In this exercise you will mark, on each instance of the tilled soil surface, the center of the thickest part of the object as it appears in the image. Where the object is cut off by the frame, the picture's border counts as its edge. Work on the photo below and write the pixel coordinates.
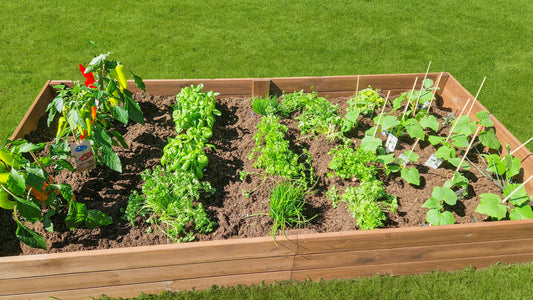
(236, 216)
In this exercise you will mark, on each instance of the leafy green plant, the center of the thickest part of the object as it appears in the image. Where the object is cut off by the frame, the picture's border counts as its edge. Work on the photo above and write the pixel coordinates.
(26, 186)
(171, 193)
(264, 105)
(448, 193)
(348, 162)
(87, 110)
(515, 206)
(367, 203)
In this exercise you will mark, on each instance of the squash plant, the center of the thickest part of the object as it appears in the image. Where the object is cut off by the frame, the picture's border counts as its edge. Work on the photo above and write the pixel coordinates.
(87, 110)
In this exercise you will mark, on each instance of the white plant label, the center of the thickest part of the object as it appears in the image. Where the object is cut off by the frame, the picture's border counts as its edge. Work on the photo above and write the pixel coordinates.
(460, 193)
(391, 142)
(83, 155)
(433, 162)
(403, 160)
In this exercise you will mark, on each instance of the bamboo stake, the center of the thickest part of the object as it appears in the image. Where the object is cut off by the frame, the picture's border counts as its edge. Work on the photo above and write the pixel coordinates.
(381, 114)
(357, 89)
(455, 124)
(467, 150)
(519, 187)
(409, 99)
(412, 149)
(435, 91)
(421, 88)
(475, 98)
(521, 146)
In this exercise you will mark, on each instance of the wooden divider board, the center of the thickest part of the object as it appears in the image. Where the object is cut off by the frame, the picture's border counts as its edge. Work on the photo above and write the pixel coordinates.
(151, 269)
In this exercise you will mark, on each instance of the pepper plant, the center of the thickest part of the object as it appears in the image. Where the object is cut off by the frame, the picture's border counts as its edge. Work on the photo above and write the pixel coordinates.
(87, 110)
(26, 187)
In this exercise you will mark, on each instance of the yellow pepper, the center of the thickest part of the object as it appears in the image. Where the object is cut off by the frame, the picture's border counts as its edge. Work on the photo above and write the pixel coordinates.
(89, 126)
(61, 127)
(7, 158)
(121, 77)
(4, 200)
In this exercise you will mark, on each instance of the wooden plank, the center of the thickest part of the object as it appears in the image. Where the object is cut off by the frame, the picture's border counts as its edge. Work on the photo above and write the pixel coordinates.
(147, 256)
(35, 112)
(413, 254)
(133, 290)
(413, 236)
(261, 87)
(348, 83)
(85, 280)
(409, 268)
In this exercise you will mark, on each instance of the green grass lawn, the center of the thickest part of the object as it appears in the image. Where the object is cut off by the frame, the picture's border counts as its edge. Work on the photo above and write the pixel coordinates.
(221, 39)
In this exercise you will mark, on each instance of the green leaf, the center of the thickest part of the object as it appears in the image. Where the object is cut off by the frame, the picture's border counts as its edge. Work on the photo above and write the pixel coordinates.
(138, 81)
(370, 144)
(30, 237)
(120, 113)
(65, 190)
(435, 217)
(119, 138)
(434, 140)
(27, 147)
(430, 122)
(47, 222)
(489, 139)
(445, 152)
(134, 110)
(414, 129)
(16, 183)
(97, 62)
(35, 177)
(444, 194)
(77, 213)
(455, 161)
(386, 158)
(519, 197)
(111, 159)
(484, 118)
(411, 175)
(387, 122)
(460, 140)
(96, 218)
(464, 126)
(352, 116)
(491, 205)
(428, 83)
(433, 203)
(30, 211)
(513, 165)
(521, 213)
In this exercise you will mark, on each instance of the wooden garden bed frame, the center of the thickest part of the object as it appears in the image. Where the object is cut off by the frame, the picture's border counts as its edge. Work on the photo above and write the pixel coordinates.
(127, 272)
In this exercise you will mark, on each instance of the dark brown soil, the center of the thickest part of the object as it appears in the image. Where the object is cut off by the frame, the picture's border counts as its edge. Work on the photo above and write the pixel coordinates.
(236, 215)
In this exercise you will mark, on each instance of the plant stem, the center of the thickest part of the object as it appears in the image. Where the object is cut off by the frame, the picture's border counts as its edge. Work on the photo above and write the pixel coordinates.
(409, 98)
(468, 149)
(421, 88)
(454, 124)
(435, 91)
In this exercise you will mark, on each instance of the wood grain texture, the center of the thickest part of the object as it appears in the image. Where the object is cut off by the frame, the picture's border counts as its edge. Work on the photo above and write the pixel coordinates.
(129, 271)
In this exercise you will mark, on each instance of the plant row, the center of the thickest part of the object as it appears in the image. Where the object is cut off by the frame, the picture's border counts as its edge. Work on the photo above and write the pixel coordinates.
(171, 192)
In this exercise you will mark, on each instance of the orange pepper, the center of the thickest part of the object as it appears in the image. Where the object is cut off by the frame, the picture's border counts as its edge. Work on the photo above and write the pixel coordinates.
(43, 194)
(93, 114)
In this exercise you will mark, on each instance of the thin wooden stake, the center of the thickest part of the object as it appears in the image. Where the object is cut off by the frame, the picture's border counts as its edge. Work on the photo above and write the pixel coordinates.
(357, 89)
(521, 146)
(412, 149)
(422, 87)
(516, 190)
(435, 91)
(381, 114)
(475, 98)
(455, 124)
(467, 150)
(409, 99)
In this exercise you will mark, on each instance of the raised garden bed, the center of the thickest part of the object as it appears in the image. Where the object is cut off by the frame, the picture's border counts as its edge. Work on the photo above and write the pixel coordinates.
(150, 269)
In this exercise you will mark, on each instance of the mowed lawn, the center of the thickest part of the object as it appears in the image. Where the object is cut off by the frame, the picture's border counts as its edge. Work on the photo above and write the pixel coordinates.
(163, 39)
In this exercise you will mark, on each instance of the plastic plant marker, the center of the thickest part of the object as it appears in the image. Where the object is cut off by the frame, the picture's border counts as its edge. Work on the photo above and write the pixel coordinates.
(433, 162)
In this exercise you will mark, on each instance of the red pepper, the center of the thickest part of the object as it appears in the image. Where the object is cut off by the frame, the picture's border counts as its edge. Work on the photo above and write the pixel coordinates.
(89, 78)
(83, 135)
